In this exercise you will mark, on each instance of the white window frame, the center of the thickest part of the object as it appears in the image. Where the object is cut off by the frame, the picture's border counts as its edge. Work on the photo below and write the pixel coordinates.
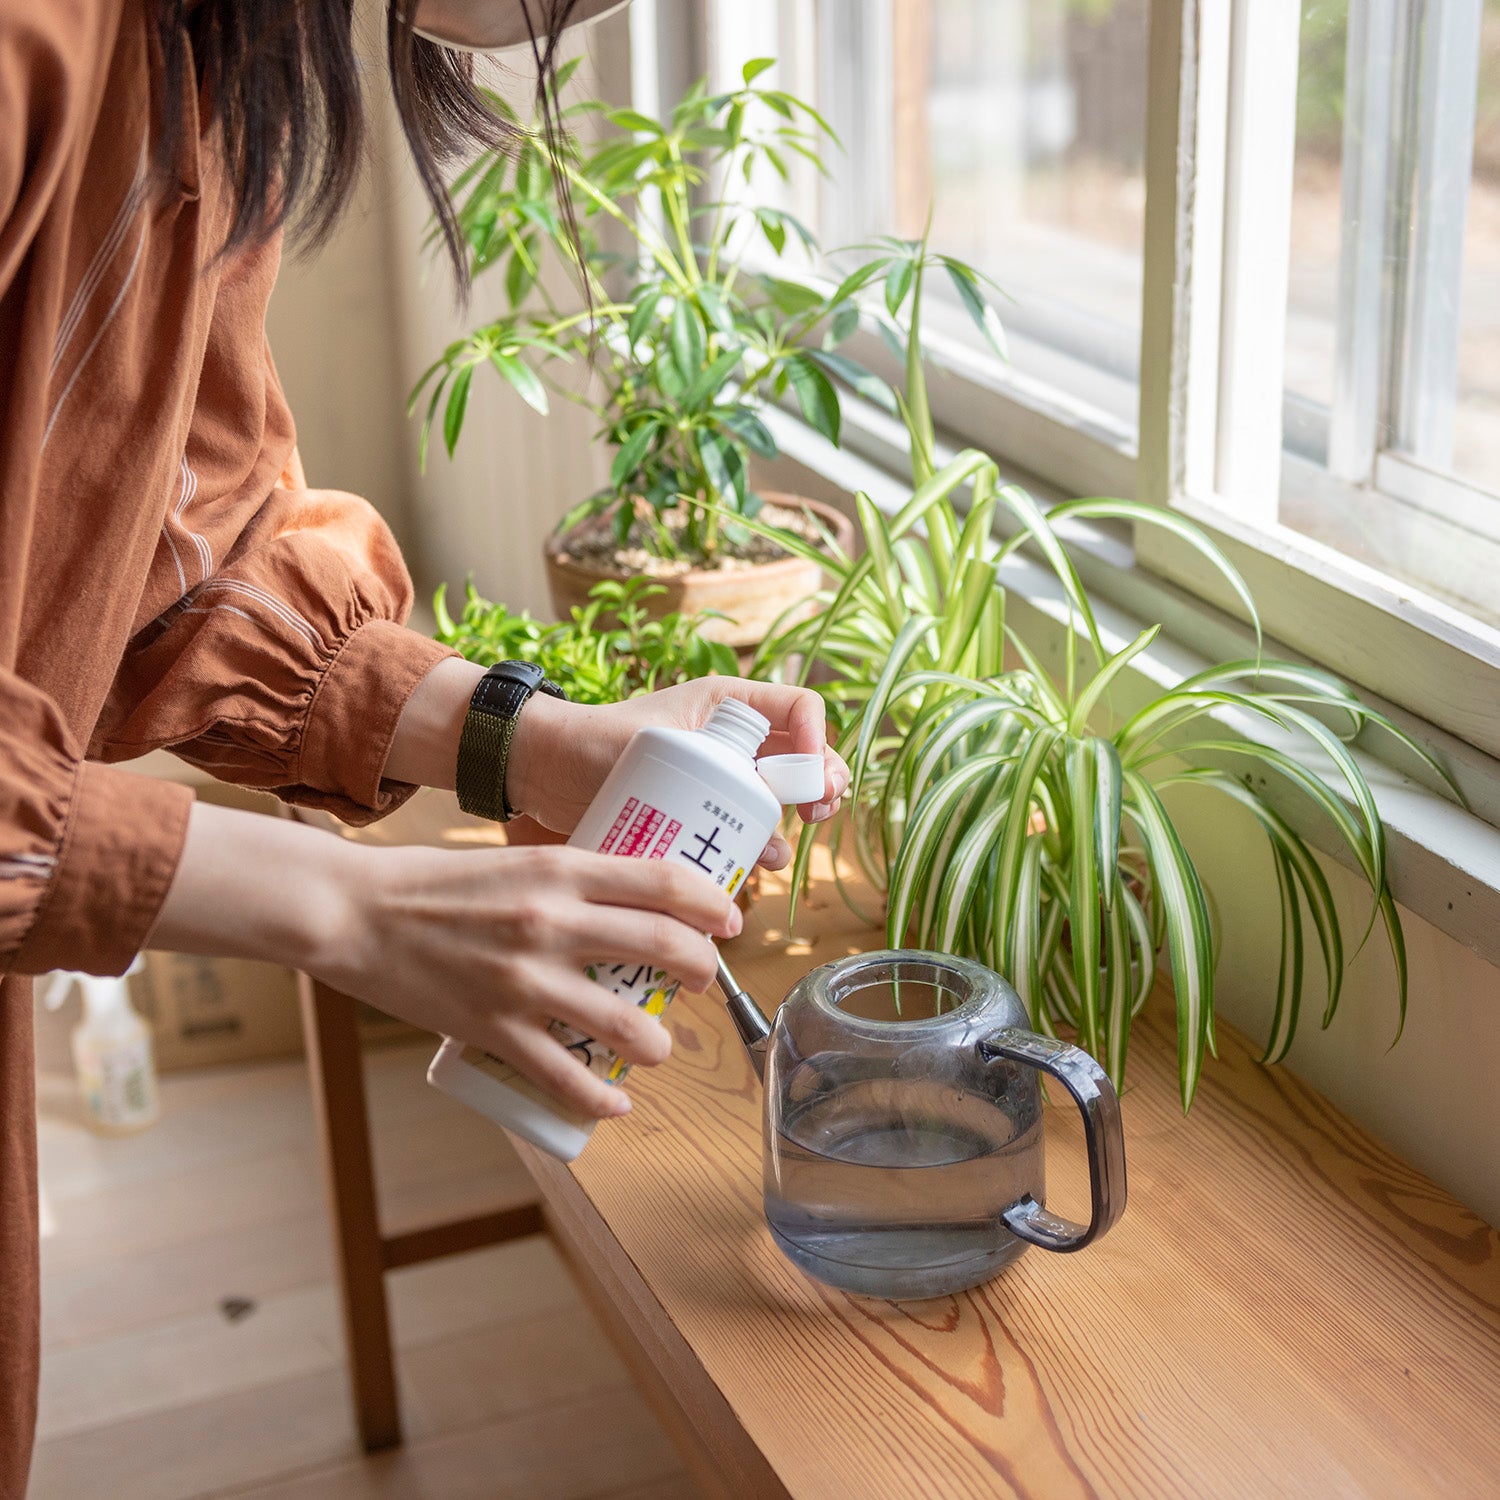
(1429, 657)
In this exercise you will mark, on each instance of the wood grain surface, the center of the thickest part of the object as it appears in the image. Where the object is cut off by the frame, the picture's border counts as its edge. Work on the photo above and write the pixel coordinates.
(1284, 1310)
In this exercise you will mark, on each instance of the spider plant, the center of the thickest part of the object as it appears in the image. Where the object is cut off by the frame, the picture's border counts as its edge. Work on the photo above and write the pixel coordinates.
(1014, 817)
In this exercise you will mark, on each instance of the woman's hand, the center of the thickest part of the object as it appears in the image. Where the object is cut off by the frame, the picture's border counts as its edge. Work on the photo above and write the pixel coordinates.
(488, 946)
(563, 751)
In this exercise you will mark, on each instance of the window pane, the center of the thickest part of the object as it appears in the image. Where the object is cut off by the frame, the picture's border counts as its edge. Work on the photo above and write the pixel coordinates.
(1313, 272)
(1021, 124)
(1415, 492)
(1037, 132)
(1476, 438)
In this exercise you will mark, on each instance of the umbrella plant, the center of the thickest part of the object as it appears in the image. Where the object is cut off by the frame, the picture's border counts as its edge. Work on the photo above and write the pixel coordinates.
(1013, 816)
(688, 335)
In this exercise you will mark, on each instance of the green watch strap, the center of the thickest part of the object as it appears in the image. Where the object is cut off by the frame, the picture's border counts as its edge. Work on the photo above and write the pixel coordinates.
(489, 727)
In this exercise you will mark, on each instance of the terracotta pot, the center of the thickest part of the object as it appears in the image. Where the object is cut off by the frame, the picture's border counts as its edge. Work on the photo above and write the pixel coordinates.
(752, 598)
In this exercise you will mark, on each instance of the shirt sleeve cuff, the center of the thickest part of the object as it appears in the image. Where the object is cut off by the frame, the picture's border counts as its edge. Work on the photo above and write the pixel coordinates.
(120, 849)
(353, 718)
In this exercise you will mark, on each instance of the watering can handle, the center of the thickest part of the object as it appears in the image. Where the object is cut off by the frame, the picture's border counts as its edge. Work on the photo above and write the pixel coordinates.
(1099, 1105)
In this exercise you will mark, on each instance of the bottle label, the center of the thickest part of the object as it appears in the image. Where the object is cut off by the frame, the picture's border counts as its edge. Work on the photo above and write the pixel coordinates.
(706, 835)
(695, 824)
(653, 990)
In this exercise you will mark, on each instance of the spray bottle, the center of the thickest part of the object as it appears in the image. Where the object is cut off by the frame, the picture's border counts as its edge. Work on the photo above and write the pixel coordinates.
(111, 1051)
(696, 796)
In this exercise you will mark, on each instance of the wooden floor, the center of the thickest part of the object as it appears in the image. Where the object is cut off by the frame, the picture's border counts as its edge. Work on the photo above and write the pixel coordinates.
(191, 1327)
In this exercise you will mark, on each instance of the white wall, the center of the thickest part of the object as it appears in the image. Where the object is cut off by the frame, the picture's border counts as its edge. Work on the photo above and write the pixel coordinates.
(332, 335)
(1434, 1097)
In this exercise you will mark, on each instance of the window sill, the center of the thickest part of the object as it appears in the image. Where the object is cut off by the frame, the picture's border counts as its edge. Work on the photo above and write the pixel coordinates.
(1444, 861)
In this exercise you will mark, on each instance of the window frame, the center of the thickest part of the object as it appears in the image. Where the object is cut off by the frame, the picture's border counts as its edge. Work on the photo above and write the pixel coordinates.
(1416, 651)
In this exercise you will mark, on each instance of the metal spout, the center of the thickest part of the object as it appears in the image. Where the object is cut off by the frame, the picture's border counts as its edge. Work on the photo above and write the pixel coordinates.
(749, 1020)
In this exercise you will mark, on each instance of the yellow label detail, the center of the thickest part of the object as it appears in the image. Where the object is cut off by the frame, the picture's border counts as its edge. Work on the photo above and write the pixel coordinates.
(654, 1005)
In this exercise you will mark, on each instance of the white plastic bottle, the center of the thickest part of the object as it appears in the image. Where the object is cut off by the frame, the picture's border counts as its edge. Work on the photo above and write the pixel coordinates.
(112, 1053)
(690, 796)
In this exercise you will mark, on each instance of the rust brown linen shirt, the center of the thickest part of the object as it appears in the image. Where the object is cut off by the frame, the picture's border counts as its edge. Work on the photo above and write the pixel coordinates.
(166, 578)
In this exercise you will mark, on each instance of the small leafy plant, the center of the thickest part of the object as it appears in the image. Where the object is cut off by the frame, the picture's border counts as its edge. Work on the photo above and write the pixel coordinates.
(697, 339)
(1012, 816)
(609, 649)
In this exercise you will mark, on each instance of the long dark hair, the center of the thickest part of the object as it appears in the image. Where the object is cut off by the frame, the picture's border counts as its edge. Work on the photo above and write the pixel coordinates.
(283, 83)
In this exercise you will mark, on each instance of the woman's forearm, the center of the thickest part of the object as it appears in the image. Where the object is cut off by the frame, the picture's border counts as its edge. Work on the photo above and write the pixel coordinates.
(486, 945)
(251, 886)
(424, 750)
(561, 752)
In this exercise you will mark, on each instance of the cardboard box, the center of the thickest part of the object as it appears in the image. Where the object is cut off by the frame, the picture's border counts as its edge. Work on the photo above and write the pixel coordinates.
(205, 1012)
(208, 1012)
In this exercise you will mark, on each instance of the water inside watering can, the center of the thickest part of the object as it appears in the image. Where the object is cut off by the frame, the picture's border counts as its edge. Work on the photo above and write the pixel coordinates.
(894, 1202)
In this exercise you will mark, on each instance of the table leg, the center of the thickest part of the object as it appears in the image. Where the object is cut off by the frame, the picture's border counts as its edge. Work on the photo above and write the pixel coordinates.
(337, 1070)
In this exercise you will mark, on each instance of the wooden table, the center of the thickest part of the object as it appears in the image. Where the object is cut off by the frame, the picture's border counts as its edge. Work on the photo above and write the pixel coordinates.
(1285, 1308)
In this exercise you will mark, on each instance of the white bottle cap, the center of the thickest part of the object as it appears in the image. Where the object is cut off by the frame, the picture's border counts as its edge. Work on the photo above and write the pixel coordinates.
(793, 779)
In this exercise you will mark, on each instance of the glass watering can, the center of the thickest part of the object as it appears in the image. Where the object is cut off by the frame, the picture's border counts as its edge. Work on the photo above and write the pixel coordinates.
(903, 1124)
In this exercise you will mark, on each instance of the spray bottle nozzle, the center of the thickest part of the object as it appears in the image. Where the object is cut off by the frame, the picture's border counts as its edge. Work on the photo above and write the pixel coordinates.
(101, 993)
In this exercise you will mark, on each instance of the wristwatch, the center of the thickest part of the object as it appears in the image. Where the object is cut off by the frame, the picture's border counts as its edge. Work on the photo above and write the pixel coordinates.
(489, 727)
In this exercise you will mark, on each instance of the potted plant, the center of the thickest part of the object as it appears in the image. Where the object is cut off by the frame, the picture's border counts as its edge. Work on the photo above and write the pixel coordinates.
(684, 355)
(609, 649)
(1007, 814)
